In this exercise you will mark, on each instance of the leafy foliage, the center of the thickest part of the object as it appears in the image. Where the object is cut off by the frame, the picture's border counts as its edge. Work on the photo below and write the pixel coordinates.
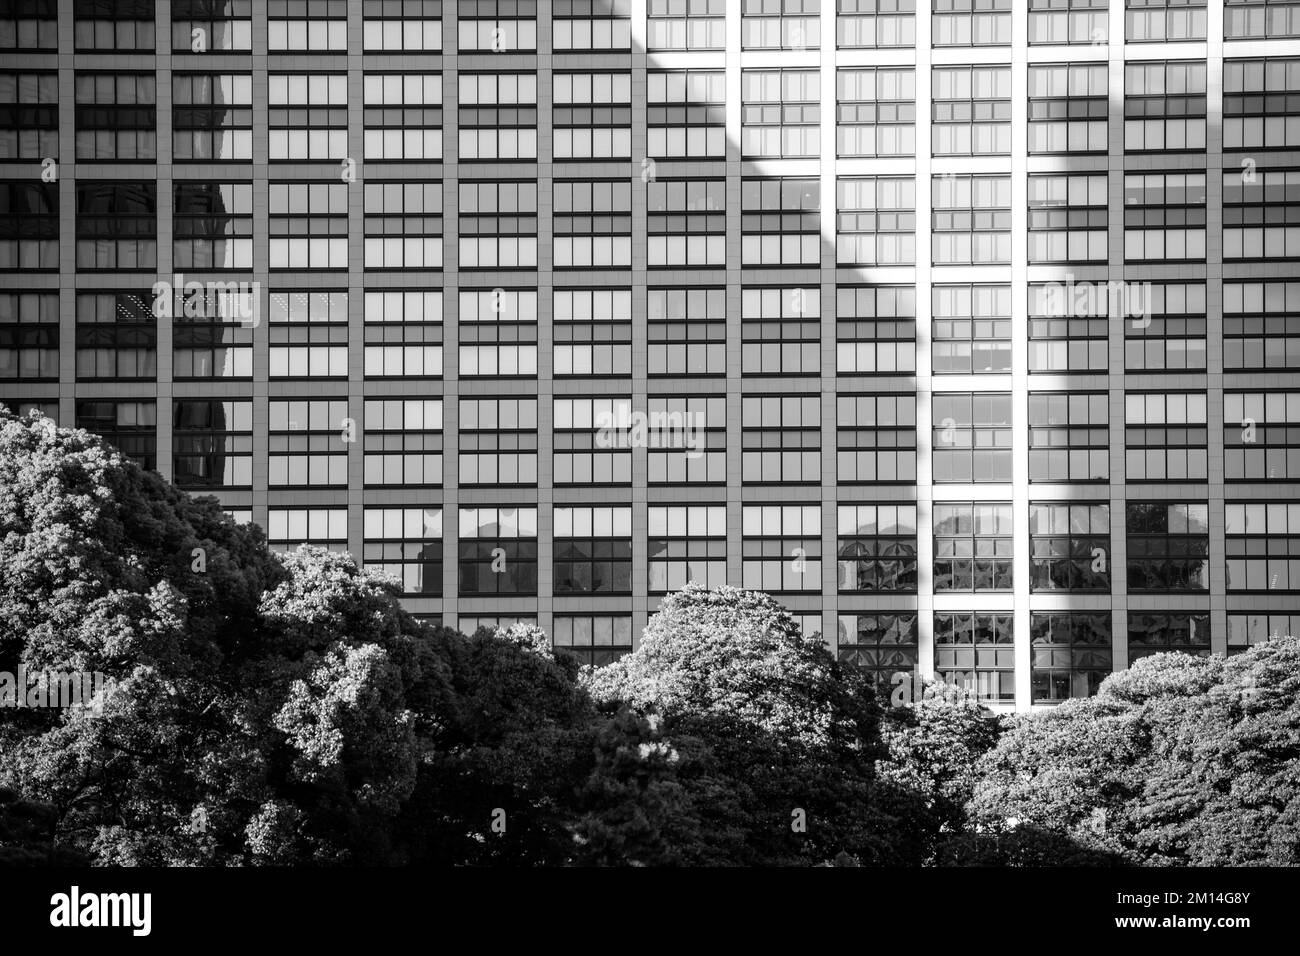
(1178, 761)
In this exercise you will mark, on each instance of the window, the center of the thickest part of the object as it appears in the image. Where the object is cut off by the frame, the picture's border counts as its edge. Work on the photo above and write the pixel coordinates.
(407, 544)
(117, 336)
(781, 438)
(403, 330)
(781, 114)
(976, 651)
(1261, 325)
(403, 442)
(687, 223)
(687, 331)
(1164, 106)
(498, 333)
(592, 441)
(875, 438)
(1159, 21)
(309, 334)
(1167, 631)
(1247, 630)
(592, 115)
(592, 332)
(212, 444)
(877, 547)
(29, 226)
(593, 224)
(212, 117)
(498, 116)
(971, 110)
(116, 116)
(875, 330)
(403, 116)
(1260, 19)
(875, 24)
(212, 226)
(1261, 214)
(308, 116)
(29, 115)
(781, 547)
(971, 220)
(498, 225)
(591, 25)
(1071, 654)
(1260, 436)
(780, 25)
(1256, 112)
(1067, 219)
(875, 113)
(1069, 546)
(287, 528)
(470, 624)
(687, 439)
(972, 436)
(308, 225)
(1166, 436)
(1263, 546)
(497, 26)
(1069, 436)
(23, 409)
(1068, 107)
(884, 645)
(118, 26)
(204, 26)
(686, 25)
(212, 336)
(1067, 333)
(686, 113)
(130, 426)
(972, 329)
(876, 221)
(402, 26)
(29, 336)
(687, 543)
(30, 25)
(781, 222)
(780, 331)
(498, 441)
(971, 23)
(973, 546)
(593, 550)
(309, 442)
(1171, 335)
(403, 223)
(1168, 546)
(117, 226)
(594, 639)
(1164, 217)
(300, 25)
(1069, 21)
(497, 552)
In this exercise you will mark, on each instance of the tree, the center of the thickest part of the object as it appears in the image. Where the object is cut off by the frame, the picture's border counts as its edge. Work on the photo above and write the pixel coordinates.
(775, 739)
(932, 747)
(1179, 760)
(260, 708)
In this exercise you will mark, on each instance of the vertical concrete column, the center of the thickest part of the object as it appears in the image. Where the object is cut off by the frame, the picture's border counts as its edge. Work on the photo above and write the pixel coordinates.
(829, 386)
(450, 312)
(924, 382)
(1020, 361)
(640, 334)
(545, 334)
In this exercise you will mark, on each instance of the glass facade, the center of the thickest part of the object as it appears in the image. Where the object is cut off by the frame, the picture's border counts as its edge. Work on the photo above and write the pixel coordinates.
(967, 329)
